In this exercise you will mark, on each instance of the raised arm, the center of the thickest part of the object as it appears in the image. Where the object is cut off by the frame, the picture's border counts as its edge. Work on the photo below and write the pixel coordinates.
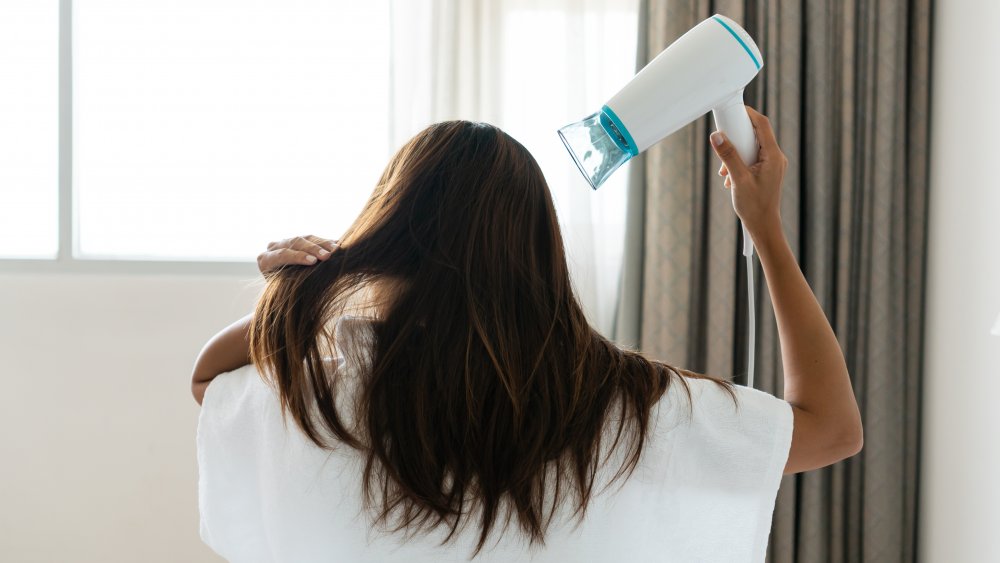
(827, 422)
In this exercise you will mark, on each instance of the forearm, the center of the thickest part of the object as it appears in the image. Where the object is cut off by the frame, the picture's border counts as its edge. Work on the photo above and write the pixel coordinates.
(226, 351)
(815, 372)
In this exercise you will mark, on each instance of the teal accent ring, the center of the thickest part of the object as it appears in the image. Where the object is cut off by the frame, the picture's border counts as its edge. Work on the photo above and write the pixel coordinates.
(630, 146)
(738, 38)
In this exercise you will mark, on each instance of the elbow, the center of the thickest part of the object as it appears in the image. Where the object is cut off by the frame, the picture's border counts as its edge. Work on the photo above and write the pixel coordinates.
(199, 382)
(852, 440)
(200, 378)
(201, 375)
(859, 441)
(205, 366)
(198, 391)
(852, 435)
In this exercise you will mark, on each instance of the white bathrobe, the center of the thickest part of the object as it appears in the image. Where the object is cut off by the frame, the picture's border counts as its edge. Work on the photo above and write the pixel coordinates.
(704, 489)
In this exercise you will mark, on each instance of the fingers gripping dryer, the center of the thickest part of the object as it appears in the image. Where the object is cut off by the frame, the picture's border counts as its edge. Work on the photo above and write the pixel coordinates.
(706, 69)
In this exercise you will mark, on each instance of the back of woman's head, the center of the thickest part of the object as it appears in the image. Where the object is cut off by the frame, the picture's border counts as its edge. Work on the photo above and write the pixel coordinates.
(485, 392)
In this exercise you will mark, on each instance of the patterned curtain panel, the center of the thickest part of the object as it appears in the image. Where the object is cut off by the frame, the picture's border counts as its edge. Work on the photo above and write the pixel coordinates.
(846, 85)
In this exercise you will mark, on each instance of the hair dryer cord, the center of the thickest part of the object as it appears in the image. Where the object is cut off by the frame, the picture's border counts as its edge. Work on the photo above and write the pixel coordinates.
(751, 322)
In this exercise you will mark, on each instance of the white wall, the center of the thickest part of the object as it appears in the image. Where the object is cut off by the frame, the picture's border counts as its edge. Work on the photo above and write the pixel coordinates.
(960, 502)
(97, 421)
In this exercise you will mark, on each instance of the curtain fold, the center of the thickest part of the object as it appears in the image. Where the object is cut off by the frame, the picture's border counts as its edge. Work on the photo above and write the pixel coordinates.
(846, 85)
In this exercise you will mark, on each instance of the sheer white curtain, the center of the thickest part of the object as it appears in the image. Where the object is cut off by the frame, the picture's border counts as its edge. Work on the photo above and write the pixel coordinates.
(529, 67)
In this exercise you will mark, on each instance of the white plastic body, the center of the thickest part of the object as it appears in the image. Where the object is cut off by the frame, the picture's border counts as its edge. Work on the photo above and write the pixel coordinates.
(704, 69)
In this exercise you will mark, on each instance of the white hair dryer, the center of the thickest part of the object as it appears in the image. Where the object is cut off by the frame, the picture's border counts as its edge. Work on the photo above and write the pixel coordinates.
(706, 69)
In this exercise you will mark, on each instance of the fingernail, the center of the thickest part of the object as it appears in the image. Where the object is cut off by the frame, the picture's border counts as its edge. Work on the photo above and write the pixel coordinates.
(717, 138)
(310, 258)
(323, 252)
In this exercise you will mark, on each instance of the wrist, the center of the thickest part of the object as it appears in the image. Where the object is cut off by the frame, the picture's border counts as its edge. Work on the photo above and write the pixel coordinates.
(768, 235)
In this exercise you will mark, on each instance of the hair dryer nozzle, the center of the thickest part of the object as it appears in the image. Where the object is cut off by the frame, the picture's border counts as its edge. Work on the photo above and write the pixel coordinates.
(599, 145)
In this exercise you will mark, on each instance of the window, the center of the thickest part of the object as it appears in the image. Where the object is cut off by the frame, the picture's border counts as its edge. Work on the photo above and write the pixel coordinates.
(29, 128)
(200, 131)
(204, 130)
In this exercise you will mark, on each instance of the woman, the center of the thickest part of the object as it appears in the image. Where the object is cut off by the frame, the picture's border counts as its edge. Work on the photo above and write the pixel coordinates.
(450, 399)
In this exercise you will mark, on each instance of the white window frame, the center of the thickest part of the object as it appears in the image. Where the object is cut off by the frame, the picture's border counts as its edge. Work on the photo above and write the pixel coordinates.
(65, 260)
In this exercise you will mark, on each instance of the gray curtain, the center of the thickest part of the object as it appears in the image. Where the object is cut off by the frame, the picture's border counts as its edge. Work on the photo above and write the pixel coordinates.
(846, 84)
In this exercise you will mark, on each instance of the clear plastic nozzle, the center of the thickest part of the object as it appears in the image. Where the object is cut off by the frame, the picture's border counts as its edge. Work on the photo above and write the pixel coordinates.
(597, 146)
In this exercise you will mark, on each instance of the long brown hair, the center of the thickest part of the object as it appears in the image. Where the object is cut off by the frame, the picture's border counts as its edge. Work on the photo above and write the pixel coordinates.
(484, 376)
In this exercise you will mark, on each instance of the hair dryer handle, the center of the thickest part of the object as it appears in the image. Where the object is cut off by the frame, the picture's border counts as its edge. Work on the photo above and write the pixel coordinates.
(732, 119)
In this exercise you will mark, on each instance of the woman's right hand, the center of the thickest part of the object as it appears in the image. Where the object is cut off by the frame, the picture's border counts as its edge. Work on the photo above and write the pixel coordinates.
(756, 188)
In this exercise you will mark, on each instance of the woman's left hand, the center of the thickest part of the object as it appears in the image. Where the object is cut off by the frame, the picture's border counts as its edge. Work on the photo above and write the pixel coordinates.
(302, 251)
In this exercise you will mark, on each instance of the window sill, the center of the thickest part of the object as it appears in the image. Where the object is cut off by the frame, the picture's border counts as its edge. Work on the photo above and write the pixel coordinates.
(130, 266)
